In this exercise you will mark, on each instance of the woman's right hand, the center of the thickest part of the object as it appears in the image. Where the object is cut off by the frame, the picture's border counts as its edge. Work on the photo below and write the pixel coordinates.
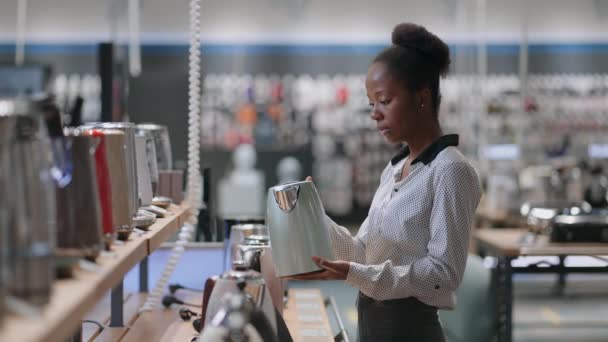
(309, 179)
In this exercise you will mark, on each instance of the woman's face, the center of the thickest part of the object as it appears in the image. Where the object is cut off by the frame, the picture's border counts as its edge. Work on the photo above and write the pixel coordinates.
(393, 106)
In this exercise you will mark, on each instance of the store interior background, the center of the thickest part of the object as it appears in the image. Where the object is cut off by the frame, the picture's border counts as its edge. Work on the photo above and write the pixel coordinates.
(561, 38)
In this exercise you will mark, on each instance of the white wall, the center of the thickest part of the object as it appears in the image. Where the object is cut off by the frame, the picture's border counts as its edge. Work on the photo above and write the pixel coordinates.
(315, 21)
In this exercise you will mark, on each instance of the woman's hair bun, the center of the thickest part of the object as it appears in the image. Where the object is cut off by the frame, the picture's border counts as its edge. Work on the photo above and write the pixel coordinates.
(414, 36)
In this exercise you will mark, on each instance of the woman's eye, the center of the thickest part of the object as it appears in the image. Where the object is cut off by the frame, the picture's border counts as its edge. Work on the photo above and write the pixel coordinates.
(385, 102)
(371, 104)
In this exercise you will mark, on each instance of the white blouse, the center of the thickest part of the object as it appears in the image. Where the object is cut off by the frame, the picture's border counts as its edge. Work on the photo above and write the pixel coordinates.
(414, 241)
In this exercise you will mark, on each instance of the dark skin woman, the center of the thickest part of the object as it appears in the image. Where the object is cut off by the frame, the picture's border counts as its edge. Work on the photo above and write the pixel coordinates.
(409, 255)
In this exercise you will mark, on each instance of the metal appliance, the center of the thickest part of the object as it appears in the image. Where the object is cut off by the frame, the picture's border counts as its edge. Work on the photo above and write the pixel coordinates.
(580, 228)
(162, 144)
(79, 220)
(254, 286)
(128, 129)
(256, 253)
(104, 186)
(297, 227)
(236, 236)
(29, 207)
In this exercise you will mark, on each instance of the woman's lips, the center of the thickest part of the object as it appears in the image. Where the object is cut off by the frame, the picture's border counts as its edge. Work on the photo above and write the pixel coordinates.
(384, 131)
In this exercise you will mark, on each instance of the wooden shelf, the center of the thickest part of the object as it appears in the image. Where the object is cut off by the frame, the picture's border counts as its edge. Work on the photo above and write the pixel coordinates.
(73, 298)
(508, 242)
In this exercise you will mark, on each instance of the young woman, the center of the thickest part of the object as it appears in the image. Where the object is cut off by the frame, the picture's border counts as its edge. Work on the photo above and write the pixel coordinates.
(409, 255)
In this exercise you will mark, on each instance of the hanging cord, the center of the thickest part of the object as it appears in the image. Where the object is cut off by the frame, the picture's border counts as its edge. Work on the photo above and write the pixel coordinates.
(195, 188)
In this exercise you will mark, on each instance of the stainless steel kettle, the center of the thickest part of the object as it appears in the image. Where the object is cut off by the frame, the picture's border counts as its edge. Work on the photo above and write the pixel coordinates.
(79, 219)
(297, 227)
(30, 203)
(128, 129)
(162, 144)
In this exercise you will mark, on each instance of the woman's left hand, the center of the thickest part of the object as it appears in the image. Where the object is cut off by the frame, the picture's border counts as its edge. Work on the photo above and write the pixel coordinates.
(332, 270)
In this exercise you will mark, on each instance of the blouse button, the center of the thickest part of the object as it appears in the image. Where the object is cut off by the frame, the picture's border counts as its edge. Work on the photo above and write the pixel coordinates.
(395, 189)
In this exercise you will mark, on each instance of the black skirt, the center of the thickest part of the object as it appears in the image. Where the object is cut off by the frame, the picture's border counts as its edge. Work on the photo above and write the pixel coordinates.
(401, 320)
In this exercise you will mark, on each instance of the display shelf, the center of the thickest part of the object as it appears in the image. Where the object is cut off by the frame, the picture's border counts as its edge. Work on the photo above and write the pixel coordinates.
(73, 298)
(509, 243)
(170, 224)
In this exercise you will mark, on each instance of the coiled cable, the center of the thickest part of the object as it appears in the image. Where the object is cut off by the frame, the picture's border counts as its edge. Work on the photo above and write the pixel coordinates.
(194, 185)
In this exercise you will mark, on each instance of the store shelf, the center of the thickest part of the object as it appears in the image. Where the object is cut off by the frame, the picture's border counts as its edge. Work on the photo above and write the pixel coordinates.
(73, 298)
(509, 243)
(170, 224)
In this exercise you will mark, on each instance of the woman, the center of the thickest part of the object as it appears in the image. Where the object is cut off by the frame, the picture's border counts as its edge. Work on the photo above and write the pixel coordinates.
(409, 255)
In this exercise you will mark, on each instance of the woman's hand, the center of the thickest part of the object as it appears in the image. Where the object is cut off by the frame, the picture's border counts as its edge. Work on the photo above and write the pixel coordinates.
(332, 270)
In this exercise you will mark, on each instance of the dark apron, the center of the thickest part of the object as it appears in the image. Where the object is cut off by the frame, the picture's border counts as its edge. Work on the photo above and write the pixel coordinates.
(402, 320)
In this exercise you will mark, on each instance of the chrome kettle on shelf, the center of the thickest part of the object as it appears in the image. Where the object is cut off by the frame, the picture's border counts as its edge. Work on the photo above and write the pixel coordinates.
(79, 215)
(128, 129)
(162, 144)
(29, 201)
(297, 227)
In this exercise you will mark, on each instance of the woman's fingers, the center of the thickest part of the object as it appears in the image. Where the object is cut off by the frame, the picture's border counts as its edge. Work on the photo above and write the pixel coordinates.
(309, 179)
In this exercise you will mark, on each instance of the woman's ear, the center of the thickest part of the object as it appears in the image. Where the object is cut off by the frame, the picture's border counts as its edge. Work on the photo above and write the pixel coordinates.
(423, 98)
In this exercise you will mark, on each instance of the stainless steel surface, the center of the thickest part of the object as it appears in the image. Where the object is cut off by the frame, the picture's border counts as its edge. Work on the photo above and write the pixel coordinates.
(300, 233)
(541, 215)
(162, 144)
(576, 219)
(162, 201)
(79, 223)
(144, 182)
(128, 129)
(286, 196)
(119, 178)
(143, 221)
(256, 253)
(238, 233)
(158, 211)
(29, 208)
(151, 157)
(255, 287)
(331, 301)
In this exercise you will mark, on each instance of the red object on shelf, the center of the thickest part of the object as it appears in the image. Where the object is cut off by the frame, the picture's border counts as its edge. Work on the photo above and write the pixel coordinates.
(103, 182)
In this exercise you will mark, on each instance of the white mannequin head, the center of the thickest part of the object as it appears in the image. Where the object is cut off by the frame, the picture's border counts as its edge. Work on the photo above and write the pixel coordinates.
(244, 157)
(289, 169)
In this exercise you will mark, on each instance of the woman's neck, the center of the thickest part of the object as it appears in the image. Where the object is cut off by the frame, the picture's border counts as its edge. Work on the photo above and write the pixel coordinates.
(425, 137)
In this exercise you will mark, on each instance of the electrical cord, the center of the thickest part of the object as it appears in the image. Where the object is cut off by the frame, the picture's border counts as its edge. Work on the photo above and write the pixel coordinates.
(169, 300)
(175, 287)
(99, 325)
(194, 182)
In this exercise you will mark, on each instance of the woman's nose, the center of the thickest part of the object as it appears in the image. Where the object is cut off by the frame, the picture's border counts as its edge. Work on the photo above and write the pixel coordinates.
(376, 114)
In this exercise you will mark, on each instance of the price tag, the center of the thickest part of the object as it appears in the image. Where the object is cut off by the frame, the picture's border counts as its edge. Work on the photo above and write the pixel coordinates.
(310, 318)
(311, 306)
(313, 332)
(305, 295)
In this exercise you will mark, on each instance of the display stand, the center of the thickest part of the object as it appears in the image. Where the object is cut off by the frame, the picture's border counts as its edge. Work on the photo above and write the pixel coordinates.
(73, 298)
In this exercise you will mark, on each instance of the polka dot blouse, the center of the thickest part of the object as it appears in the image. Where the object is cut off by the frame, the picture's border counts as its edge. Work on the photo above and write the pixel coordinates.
(414, 241)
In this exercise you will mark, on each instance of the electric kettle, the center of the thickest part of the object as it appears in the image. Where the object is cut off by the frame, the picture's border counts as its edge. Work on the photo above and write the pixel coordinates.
(128, 129)
(116, 155)
(162, 144)
(29, 208)
(104, 186)
(79, 223)
(297, 227)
